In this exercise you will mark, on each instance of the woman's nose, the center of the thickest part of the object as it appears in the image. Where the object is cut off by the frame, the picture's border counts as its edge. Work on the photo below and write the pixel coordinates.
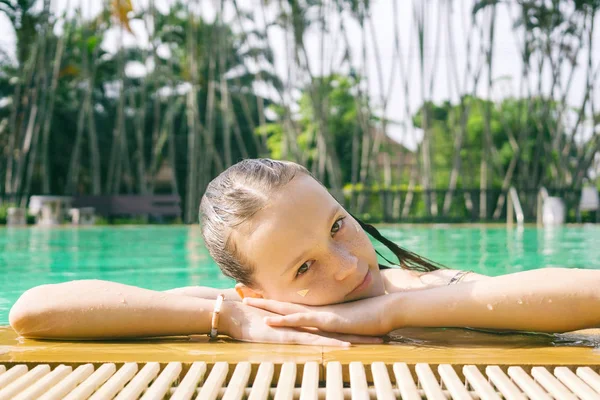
(347, 264)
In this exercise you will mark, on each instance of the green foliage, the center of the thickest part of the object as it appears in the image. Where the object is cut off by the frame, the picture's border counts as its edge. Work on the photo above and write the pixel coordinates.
(157, 90)
(339, 104)
(532, 123)
(4, 212)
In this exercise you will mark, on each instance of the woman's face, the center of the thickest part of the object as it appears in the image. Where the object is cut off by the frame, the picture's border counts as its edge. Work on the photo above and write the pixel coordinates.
(307, 249)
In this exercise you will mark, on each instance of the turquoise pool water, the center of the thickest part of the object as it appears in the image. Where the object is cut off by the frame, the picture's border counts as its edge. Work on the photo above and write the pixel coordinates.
(163, 257)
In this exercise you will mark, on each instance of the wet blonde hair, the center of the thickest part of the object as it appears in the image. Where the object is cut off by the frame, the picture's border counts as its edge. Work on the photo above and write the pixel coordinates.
(245, 188)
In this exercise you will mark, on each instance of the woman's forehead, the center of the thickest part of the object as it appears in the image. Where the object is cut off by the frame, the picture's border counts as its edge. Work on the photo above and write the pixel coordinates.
(303, 201)
(298, 211)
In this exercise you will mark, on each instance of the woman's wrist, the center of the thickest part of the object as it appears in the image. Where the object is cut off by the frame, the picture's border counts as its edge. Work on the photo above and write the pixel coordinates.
(230, 324)
(396, 315)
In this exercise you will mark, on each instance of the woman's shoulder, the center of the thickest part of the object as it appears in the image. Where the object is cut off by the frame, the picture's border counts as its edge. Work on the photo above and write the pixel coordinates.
(397, 279)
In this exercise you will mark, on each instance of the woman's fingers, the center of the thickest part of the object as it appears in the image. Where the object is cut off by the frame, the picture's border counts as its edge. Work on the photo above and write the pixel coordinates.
(274, 306)
(355, 339)
(294, 336)
(317, 340)
(313, 319)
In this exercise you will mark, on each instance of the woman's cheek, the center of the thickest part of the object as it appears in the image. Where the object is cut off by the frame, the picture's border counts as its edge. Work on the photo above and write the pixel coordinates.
(323, 292)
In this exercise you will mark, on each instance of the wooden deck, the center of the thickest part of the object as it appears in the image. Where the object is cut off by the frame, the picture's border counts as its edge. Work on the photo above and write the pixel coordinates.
(430, 346)
(417, 364)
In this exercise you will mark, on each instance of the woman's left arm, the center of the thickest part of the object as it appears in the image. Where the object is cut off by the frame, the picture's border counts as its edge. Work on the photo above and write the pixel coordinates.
(543, 300)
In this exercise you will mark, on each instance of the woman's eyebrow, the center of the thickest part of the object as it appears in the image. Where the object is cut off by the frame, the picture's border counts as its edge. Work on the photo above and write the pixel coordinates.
(302, 255)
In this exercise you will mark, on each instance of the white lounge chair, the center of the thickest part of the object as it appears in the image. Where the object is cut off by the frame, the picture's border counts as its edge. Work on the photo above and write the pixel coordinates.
(590, 201)
(83, 216)
(16, 216)
(49, 210)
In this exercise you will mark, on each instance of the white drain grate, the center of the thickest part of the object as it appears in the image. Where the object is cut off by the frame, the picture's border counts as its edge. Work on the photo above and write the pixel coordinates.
(199, 380)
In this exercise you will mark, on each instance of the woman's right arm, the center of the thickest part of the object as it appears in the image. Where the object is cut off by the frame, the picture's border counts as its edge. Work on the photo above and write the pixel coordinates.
(205, 292)
(94, 309)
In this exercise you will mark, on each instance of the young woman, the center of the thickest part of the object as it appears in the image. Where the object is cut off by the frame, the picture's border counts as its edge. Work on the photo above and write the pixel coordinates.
(308, 274)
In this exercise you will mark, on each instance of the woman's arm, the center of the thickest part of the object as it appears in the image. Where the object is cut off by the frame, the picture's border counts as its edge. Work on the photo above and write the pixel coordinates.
(93, 309)
(101, 309)
(543, 300)
(204, 292)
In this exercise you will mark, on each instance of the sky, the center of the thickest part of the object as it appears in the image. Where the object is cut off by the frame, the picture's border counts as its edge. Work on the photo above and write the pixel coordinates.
(385, 73)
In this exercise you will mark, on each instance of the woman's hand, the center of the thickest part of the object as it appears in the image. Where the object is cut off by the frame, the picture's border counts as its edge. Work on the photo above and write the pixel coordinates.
(362, 317)
(246, 323)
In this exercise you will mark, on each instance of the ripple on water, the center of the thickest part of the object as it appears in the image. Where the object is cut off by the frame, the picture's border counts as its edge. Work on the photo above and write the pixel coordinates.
(473, 338)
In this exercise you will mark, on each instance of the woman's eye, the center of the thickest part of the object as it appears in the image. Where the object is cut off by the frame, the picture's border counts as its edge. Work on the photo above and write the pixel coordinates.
(303, 268)
(337, 225)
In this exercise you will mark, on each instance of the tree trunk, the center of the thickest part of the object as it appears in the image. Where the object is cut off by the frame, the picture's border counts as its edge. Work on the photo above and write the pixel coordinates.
(46, 168)
(487, 139)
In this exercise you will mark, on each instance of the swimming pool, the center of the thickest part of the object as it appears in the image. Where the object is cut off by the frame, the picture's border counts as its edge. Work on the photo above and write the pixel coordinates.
(164, 257)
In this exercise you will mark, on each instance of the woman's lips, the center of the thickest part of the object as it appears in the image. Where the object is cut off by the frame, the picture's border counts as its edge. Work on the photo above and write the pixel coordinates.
(363, 285)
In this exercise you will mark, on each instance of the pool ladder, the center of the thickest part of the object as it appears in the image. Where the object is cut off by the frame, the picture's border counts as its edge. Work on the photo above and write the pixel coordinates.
(513, 208)
(287, 381)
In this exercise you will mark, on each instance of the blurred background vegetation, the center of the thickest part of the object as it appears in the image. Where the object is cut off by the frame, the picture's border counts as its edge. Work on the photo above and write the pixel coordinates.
(178, 94)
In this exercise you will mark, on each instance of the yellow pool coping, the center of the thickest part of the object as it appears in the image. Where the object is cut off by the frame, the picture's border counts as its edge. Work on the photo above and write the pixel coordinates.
(428, 346)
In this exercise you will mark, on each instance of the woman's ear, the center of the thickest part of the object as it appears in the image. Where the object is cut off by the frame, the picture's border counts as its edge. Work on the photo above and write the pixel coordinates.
(244, 291)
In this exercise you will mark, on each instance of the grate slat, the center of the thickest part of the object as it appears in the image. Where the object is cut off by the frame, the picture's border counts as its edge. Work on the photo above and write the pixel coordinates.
(262, 382)
(238, 382)
(551, 384)
(404, 381)
(140, 382)
(163, 383)
(478, 382)
(287, 380)
(69, 383)
(310, 381)
(84, 390)
(577, 386)
(187, 387)
(335, 381)
(428, 382)
(116, 382)
(41, 386)
(24, 381)
(527, 384)
(214, 382)
(358, 381)
(455, 386)
(589, 377)
(381, 379)
(505, 386)
(12, 374)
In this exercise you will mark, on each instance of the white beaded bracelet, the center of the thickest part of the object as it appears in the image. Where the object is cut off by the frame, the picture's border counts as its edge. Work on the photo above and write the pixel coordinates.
(215, 317)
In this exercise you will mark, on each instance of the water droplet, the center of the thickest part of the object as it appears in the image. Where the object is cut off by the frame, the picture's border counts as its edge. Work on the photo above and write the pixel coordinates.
(490, 307)
(549, 300)
(520, 301)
